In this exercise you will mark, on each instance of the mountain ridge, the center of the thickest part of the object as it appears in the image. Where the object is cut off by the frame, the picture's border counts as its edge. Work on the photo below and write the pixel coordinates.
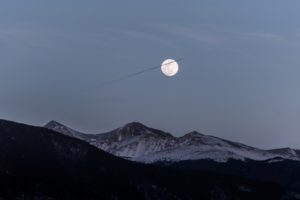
(138, 142)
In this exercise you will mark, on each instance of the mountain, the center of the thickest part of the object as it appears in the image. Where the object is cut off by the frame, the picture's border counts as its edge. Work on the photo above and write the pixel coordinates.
(58, 127)
(138, 142)
(130, 141)
(196, 151)
(41, 164)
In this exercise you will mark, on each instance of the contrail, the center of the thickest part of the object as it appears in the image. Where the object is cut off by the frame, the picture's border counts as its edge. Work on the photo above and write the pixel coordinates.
(137, 73)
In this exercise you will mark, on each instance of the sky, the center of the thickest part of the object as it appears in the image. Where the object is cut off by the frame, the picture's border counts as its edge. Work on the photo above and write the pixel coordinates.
(239, 79)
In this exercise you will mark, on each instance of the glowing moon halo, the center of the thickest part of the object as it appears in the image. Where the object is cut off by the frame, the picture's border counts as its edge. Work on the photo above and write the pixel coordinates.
(169, 67)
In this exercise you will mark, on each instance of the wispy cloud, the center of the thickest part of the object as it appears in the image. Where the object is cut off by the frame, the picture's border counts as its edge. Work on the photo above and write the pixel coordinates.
(214, 35)
(267, 36)
(149, 35)
(192, 32)
(199, 35)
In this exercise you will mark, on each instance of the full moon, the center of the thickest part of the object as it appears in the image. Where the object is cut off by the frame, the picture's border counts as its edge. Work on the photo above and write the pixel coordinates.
(169, 67)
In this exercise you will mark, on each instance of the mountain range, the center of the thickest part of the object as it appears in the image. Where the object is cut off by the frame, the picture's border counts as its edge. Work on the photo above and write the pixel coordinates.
(37, 163)
(194, 151)
(137, 142)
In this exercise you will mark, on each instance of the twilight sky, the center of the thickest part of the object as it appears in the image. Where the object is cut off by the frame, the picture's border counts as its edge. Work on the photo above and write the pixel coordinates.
(239, 79)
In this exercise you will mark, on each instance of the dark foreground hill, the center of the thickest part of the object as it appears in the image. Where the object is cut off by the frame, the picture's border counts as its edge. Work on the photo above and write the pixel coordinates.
(280, 171)
(37, 163)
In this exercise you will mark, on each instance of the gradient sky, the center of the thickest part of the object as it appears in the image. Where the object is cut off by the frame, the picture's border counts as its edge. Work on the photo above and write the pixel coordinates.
(239, 79)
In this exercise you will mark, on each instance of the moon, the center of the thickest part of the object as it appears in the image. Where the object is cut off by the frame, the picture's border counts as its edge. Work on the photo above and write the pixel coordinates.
(169, 67)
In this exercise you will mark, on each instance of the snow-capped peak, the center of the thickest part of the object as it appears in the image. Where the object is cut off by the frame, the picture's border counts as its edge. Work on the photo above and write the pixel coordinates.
(56, 126)
(133, 129)
(136, 128)
(53, 124)
(59, 127)
(134, 125)
(193, 134)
